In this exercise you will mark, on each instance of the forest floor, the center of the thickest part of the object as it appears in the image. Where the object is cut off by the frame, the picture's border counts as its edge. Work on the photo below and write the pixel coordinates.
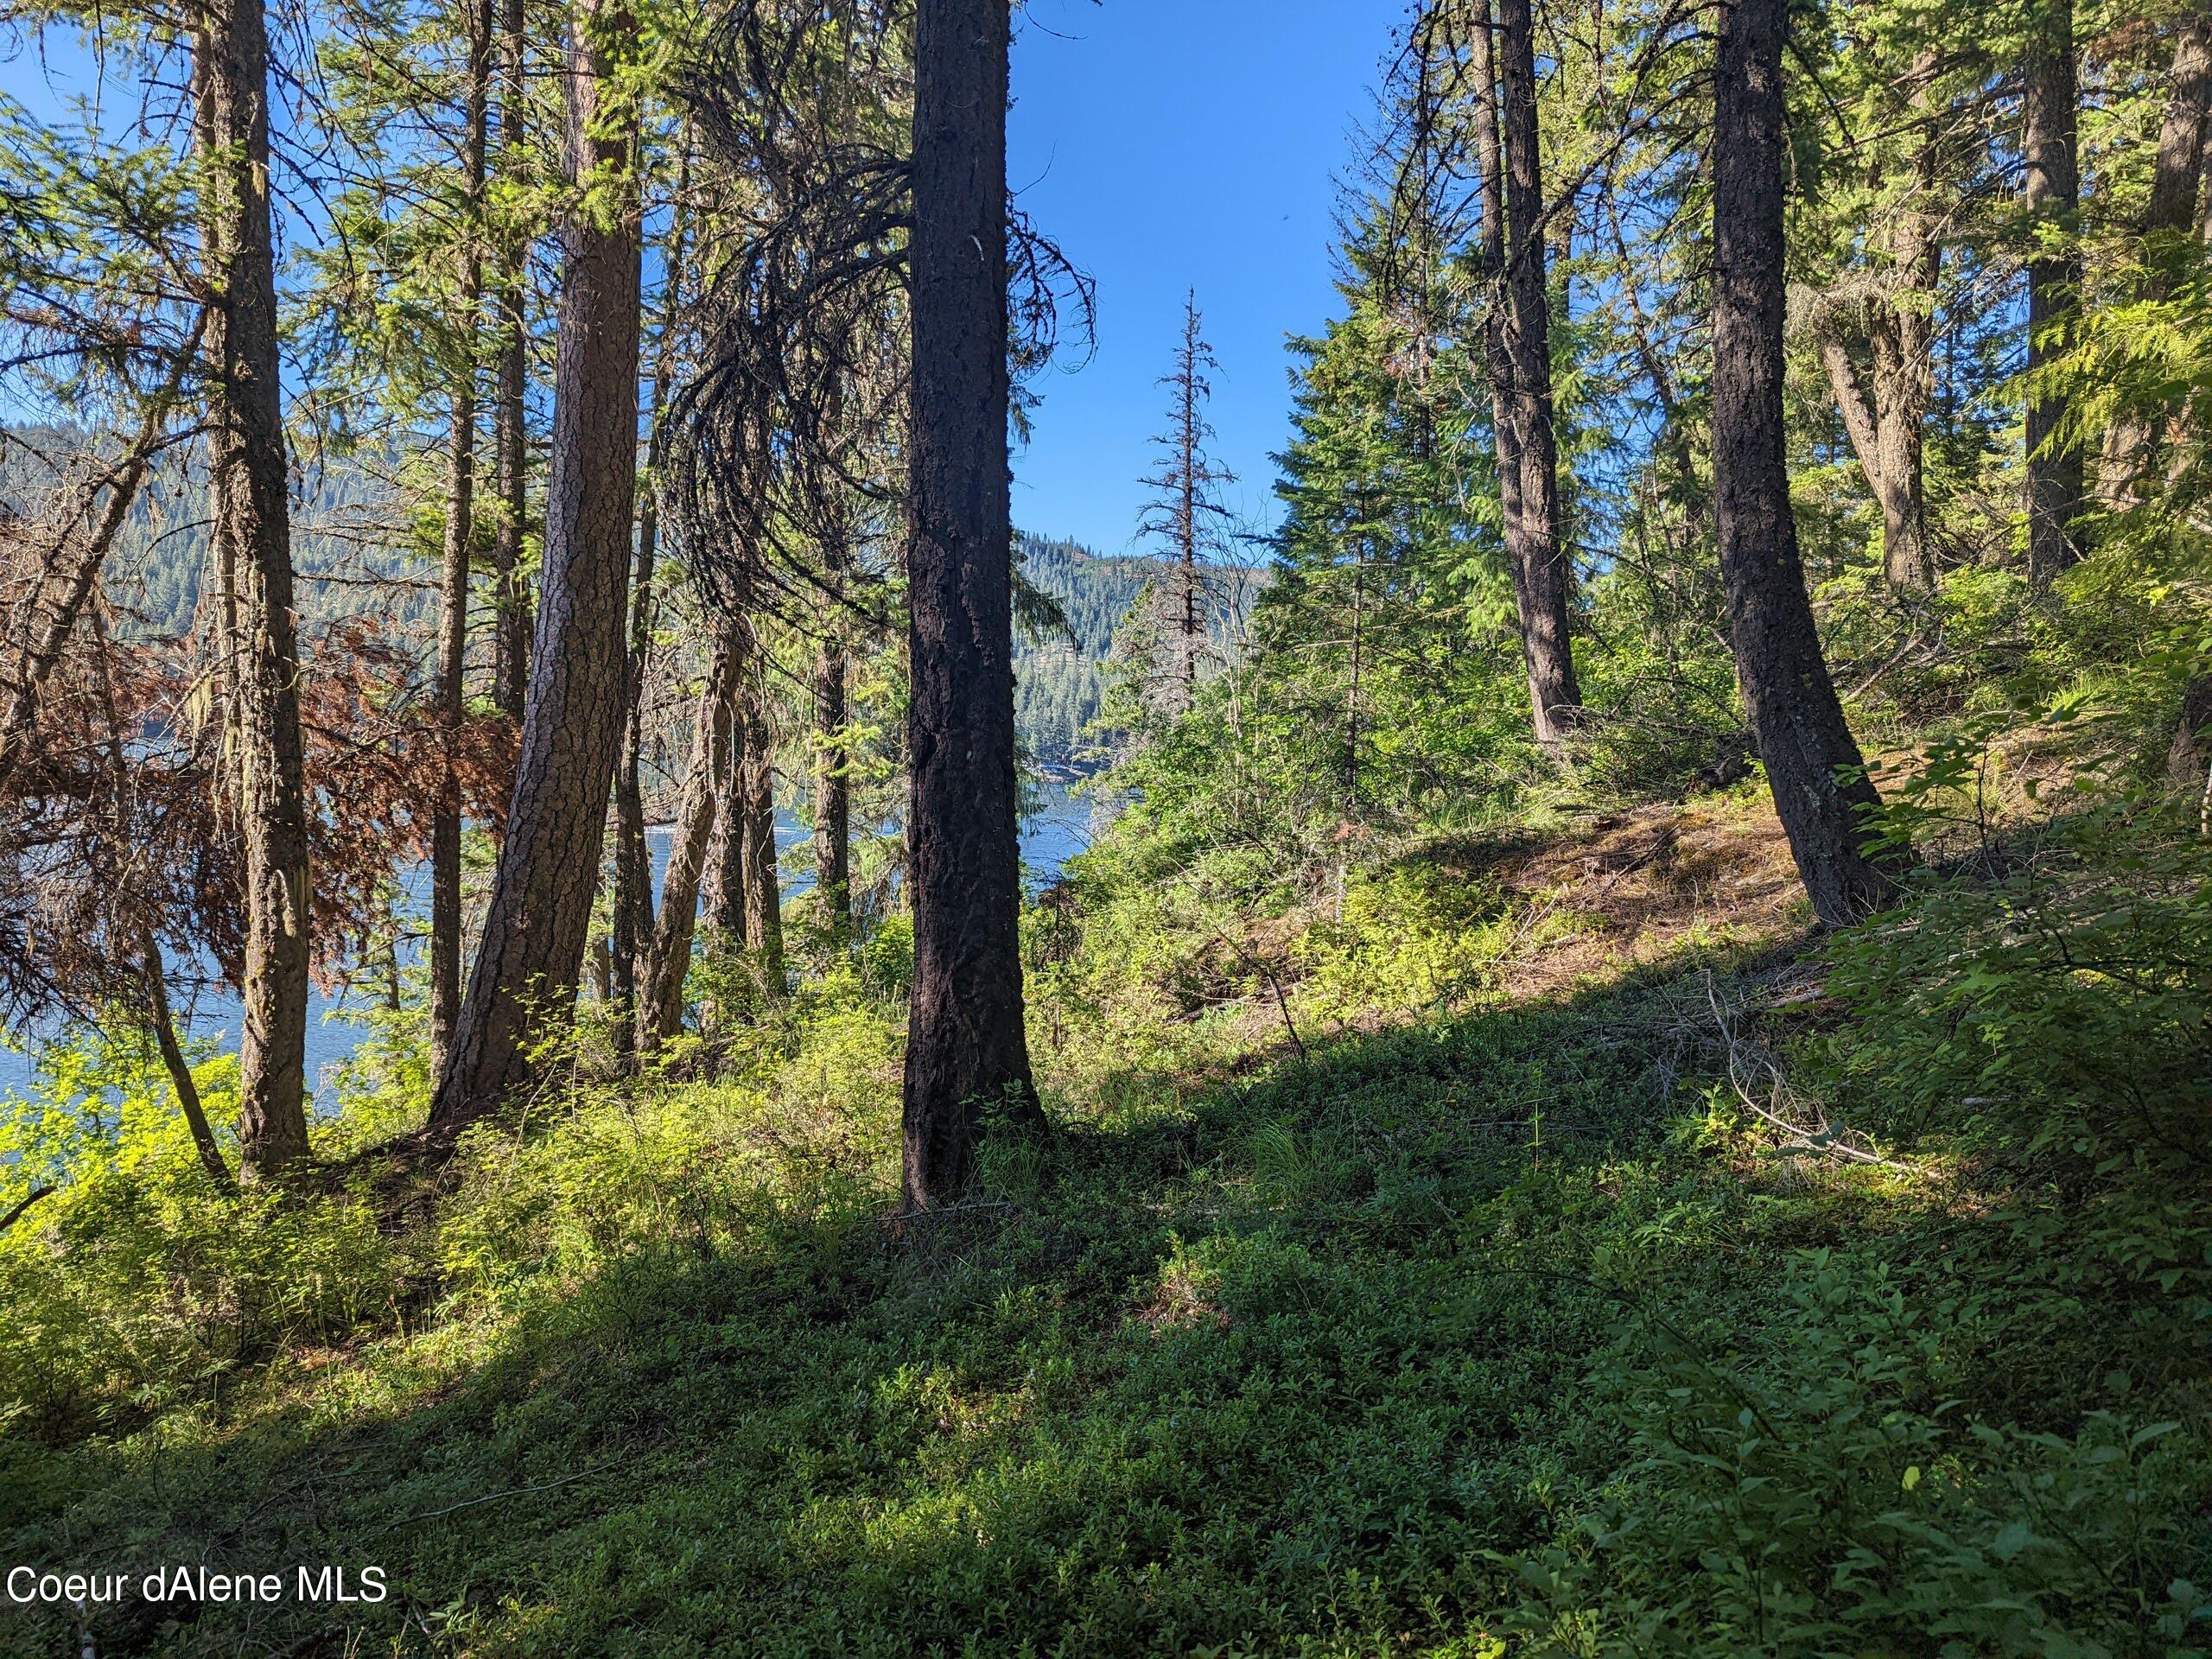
(1496, 1320)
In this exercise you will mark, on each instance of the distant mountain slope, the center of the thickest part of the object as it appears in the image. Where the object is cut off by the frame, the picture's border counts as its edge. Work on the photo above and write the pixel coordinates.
(349, 539)
(351, 547)
(1058, 690)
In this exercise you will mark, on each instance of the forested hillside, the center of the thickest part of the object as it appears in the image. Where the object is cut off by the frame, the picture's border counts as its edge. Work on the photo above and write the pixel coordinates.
(1061, 685)
(353, 561)
(1624, 1075)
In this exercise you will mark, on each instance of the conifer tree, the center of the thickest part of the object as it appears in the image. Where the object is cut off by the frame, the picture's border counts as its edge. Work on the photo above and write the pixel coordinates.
(967, 1052)
(1187, 515)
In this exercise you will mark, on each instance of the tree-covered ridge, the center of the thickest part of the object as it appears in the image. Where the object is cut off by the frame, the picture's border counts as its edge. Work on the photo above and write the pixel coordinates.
(354, 547)
(1062, 685)
(355, 561)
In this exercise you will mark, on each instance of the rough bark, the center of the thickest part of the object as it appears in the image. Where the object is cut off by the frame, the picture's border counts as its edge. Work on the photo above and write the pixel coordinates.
(2179, 159)
(1533, 537)
(721, 885)
(2049, 120)
(660, 1004)
(524, 984)
(2188, 759)
(967, 1050)
(833, 807)
(510, 615)
(1813, 763)
(1886, 433)
(248, 458)
(1899, 317)
(1497, 354)
(453, 587)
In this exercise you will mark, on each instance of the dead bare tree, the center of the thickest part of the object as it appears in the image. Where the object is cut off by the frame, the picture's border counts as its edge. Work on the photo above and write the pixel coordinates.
(1186, 514)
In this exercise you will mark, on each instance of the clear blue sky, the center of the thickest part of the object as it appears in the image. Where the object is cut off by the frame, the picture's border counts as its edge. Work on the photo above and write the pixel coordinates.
(1168, 145)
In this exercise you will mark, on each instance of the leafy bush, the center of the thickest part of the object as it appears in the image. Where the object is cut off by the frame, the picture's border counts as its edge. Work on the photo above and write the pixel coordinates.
(137, 1288)
(1821, 1495)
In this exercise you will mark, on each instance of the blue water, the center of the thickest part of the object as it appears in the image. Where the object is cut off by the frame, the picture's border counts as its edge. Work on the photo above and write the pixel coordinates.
(1061, 826)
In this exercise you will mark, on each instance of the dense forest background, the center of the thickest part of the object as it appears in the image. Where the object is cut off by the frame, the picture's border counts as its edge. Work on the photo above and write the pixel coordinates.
(349, 565)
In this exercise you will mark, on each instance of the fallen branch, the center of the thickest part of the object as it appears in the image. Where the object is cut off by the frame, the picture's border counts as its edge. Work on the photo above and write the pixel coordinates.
(1743, 1058)
(518, 1491)
(1282, 1003)
(30, 1199)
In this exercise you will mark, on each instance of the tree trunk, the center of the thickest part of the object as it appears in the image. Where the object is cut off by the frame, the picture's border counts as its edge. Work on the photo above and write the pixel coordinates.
(1885, 434)
(634, 924)
(753, 757)
(967, 1050)
(511, 614)
(452, 601)
(1812, 763)
(833, 809)
(660, 1008)
(247, 454)
(2169, 245)
(2179, 161)
(1533, 537)
(1505, 403)
(151, 978)
(721, 885)
(1901, 338)
(2188, 759)
(525, 981)
(2053, 193)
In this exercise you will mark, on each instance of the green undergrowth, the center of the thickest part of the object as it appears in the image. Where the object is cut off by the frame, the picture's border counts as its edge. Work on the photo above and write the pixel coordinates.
(1479, 1329)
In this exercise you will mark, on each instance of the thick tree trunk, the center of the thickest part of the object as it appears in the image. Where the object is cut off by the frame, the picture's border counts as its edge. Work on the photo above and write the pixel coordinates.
(525, 981)
(460, 538)
(251, 465)
(660, 1008)
(721, 885)
(1534, 536)
(967, 1050)
(2049, 118)
(1497, 353)
(1812, 763)
(2179, 161)
(511, 614)
(833, 809)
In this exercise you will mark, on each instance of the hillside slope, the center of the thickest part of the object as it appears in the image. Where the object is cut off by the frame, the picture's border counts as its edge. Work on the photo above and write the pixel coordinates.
(1478, 1263)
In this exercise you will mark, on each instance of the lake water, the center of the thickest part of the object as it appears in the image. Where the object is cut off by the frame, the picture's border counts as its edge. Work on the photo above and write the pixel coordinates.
(1061, 826)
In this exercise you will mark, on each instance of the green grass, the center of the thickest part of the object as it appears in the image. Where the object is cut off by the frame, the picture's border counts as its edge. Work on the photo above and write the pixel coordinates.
(1502, 1330)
